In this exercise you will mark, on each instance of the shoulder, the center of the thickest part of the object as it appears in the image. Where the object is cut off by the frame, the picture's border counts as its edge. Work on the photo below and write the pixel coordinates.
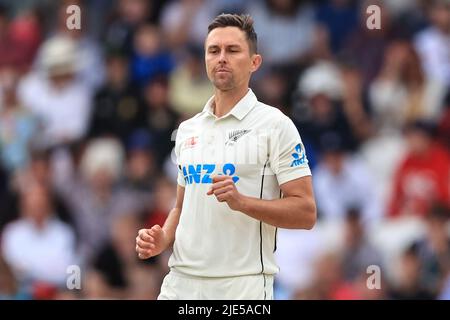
(15, 228)
(189, 126)
(425, 37)
(190, 122)
(31, 84)
(269, 113)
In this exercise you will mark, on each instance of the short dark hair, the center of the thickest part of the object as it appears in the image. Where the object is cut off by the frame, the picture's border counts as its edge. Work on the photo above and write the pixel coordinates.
(242, 21)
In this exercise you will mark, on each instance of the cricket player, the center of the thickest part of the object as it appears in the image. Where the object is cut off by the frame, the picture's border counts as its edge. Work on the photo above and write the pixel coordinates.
(243, 173)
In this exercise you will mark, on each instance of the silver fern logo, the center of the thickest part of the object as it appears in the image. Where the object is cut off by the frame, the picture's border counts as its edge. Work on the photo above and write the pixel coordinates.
(234, 135)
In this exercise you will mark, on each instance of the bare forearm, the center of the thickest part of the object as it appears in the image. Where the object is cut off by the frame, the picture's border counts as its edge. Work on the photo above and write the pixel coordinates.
(289, 212)
(170, 226)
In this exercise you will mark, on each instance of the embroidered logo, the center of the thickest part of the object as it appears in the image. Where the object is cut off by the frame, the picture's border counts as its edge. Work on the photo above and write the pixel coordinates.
(191, 142)
(234, 135)
(299, 156)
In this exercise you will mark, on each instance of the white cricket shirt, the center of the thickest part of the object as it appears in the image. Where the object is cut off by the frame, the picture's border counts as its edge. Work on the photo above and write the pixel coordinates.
(261, 149)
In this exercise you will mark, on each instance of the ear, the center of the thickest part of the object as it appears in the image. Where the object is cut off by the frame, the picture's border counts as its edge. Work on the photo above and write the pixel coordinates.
(256, 62)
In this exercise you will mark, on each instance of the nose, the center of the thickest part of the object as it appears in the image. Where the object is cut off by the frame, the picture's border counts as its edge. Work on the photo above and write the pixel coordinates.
(222, 57)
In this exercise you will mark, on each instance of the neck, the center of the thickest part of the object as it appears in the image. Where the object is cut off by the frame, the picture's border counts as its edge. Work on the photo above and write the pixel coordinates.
(39, 223)
(224, 101)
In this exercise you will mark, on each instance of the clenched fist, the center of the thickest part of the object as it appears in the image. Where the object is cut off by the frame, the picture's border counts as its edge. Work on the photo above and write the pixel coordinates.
(151, 242)
(225, 190)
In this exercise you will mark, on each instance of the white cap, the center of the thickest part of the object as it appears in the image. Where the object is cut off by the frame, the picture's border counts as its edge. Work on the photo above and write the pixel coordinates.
(60, 55)
(321, 78)
(103, 154)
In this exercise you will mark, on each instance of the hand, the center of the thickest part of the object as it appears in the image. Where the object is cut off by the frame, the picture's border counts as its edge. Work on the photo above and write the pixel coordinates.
(151, 242)
(225, 190)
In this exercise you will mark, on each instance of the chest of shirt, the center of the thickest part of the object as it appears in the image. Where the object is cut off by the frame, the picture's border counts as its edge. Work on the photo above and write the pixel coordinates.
(239, 151)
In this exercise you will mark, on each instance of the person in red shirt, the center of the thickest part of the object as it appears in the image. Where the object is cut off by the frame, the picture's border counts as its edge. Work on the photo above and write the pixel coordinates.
(422, 177)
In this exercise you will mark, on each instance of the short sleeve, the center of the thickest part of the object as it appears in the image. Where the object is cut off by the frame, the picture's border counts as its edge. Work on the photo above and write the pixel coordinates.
(180, 176)
(287, 155)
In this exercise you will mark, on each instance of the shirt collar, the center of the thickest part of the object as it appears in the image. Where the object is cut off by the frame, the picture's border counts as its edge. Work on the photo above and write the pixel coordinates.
(240, 110)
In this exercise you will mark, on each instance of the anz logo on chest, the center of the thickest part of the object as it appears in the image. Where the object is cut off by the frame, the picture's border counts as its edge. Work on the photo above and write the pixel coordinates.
(201, 173)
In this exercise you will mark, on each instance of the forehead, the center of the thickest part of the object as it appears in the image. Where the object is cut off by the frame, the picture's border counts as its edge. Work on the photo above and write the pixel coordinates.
(225, 36)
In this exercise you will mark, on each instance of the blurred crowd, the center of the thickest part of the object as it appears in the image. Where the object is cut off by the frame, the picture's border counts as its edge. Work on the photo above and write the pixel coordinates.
(88, 118)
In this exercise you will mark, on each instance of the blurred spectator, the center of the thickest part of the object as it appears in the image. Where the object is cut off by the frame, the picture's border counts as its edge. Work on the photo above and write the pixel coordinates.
(142, 279)
(409, 286)
(358, 290)
(91, 68)
(189, 86)
(116, 271)
(432, 43)
(445, 290)
(18, 126)
(434, 249)
(324, 110)
(94, 195)
(3, 183)
(27, 31)
(444, 123)
(19, 39)
(342, 183)
(149, 58)
(38, 246)
(273, 89)
(410, 16)
(354, 102)
(145, 281)
(401, 93)
(340, 17)
(296, 253)
(423, 175)
(38, 170)
(163, 202)
(327, 278)
(160, 119)
(116, 255)
(64, 104)
(358, 252)
(9, 288)
(321, 49)
(117, 108)
(128, 16)
(285, 30)
(365, 47)
(141, 169)
(95, 287)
